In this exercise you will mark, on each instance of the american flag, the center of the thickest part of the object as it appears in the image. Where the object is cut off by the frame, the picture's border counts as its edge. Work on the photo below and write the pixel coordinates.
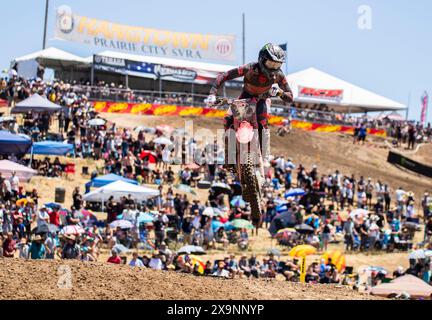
(424, 101)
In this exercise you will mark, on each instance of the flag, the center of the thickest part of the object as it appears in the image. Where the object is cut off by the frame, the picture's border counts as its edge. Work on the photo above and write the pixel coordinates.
(424, 101)
(283, 46)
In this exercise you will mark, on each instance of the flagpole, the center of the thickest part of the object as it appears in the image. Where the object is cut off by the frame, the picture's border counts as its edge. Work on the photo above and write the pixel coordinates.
(45, 25)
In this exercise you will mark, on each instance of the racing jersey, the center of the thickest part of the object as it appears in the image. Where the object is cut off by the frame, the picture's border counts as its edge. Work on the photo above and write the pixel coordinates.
(256, 83)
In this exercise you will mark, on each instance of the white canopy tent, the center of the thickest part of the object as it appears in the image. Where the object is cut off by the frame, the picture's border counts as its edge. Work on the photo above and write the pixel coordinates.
(120, 189)
(312, 86)
(53, 57)
(22, 172)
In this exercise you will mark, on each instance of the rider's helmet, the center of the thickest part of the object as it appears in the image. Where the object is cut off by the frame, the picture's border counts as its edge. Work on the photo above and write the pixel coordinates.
(270, 59)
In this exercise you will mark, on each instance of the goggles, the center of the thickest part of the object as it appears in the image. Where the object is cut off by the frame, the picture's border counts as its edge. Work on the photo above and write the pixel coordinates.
(273, 65)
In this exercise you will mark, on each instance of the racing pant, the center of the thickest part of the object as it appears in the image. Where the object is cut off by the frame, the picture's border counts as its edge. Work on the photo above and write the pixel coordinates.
(263, 131)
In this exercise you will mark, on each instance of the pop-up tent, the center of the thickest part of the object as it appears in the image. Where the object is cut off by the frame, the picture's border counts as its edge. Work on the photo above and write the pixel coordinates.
(410, 284)
(54, 148)
(14, 144)
(8, 167)
(119, 189)
(36, 103)
(107, 179)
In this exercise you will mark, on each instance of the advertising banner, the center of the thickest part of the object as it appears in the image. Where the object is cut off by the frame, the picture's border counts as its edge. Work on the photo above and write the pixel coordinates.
(175, 110)
(141, 40)
(325, 94)
(409, 164)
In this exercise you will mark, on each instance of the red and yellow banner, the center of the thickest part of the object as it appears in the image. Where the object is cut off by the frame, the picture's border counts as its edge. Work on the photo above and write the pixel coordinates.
(175, 110)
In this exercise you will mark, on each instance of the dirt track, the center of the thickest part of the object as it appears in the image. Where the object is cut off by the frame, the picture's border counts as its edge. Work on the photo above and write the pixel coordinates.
(38, 280)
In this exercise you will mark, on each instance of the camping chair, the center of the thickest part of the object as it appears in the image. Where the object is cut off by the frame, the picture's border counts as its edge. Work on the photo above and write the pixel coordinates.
(70, 168)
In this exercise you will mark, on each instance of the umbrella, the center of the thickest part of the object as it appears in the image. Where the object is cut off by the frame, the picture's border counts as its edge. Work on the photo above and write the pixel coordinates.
(191, 250)
(72, 229)
(285, 234)
(150, 156)
(194, 260)
(145, 129)
(295, 192)
(358, 213)
(45, 228)
(228, 226)
(302, 251)
(238, 201)
(280, 202)
(273, 251)
(411, 225)
(373, 269)
(145, 218)
(216, 225)
(211, 212)
(7, 118)
(220, 187)
(165, 128)
(53, 205)
(22, 201)
(337, 258)
(163, 140)
(192, 166)
(184, 188)
(120, 248)
(87, 213)
(96, 122)
(420, 254)
(304, 228)
(123, 224)
(241, 224)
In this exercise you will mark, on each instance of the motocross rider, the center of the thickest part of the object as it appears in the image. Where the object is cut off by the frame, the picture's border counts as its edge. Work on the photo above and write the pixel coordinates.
(258, 81)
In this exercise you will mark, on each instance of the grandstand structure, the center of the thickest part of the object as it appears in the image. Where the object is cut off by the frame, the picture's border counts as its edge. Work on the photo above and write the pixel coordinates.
(313, 89)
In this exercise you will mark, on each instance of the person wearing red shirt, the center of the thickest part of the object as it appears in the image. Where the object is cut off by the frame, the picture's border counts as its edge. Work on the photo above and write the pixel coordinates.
(9, 246)
(54, 216)
(114, 258)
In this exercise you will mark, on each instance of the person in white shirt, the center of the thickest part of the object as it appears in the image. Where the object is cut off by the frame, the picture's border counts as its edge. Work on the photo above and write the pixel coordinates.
(23, 249)
(42, 217)
(400, 196)
(135, 262)
(14, 181)
(155, 262)
(221, 272)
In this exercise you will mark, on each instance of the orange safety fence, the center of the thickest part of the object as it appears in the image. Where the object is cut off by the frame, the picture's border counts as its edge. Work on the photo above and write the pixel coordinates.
(175, 110)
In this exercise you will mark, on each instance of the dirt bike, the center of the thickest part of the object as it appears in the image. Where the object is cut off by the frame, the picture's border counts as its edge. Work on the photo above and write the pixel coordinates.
(248, 159)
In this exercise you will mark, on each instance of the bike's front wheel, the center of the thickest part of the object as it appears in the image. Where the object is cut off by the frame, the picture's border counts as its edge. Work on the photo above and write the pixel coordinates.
(250, 185)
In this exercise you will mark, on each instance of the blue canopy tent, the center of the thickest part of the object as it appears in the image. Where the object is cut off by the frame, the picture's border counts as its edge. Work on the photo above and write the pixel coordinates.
(106, 179)
(36, 103)
(14, 144)
(52, 148)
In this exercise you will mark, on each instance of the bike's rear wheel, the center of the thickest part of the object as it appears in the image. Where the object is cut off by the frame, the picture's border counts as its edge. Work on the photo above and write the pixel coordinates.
(250, 185)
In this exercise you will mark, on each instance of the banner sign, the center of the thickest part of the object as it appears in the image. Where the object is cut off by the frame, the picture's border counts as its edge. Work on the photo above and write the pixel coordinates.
(409, 164)
(424, 102)
(156, 71)
(109, 64)
(160, 71)
(327, 94)
(174, 110)
(140, 40)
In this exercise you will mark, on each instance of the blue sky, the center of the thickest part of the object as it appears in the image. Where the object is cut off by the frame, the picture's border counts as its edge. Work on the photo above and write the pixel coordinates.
(393, 58)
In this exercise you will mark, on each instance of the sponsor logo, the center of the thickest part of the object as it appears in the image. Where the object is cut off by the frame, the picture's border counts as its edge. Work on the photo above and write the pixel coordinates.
(179, 73)
(109, 61)
(223, 47)
(332, 94)
(65, 19)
